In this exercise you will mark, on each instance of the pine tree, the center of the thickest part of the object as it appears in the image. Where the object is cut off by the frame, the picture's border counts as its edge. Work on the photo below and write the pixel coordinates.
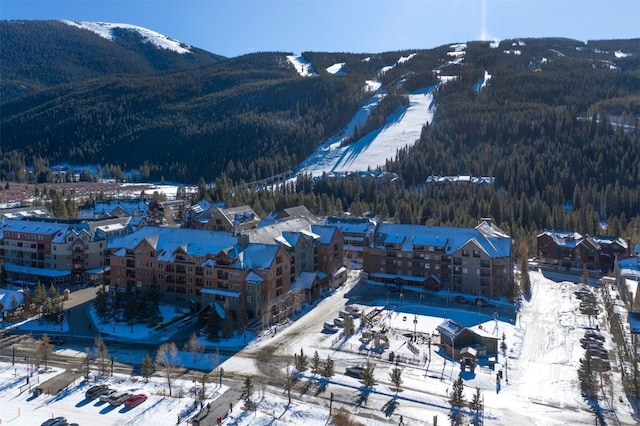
(301, 361)
(476, 407)
(247, 390)
(395, 375)
(316, 362)
(147, 367)
(456, 399)
(368, 376)
(328, 368)
(525, 280)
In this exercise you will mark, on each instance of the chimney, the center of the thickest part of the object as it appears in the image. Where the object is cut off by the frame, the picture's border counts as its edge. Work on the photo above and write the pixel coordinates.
(243, 240)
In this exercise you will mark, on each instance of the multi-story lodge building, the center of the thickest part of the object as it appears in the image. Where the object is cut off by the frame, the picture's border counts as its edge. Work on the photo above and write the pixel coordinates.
(203, 265)
(571, 250)
(58, 252)
(215, 217)
(467, 260)
(357, 233)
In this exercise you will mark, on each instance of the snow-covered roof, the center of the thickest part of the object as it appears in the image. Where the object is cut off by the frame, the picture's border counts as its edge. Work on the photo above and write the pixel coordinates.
(39, 272)
(325, 232)
(452, 239)
(259, 256)
(166, 240)
(450, 328)
(282, 229)
(220, 292)
(304, 281)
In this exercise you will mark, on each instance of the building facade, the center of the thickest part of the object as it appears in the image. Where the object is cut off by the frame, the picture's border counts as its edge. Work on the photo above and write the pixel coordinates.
(205, 266)
(55, 251)
(475, 261)
(571, 250)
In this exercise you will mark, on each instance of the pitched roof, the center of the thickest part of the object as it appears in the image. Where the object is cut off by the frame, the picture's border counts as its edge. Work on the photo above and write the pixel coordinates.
(193, 241)
(495, 244)
(326, 233)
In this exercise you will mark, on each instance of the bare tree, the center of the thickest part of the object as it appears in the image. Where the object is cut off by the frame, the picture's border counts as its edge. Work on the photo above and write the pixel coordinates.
(102, 355)
(87, 362)
(167, 361)
(192, 345)
(45, 350)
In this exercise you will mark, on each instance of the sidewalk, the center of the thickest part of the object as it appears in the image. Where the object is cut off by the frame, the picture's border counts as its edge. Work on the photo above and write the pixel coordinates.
(220, 407)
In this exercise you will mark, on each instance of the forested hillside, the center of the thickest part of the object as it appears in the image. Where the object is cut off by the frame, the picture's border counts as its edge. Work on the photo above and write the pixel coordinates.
(35, 55)
(556, 125)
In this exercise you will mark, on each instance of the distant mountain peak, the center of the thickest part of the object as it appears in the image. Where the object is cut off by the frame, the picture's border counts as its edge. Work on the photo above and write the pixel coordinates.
(105, 30)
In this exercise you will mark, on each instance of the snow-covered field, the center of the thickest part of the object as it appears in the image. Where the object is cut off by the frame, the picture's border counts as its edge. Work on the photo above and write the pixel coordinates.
(543, 352)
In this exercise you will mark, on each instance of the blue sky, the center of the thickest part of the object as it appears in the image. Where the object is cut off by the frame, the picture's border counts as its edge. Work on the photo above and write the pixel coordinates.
(236, 27)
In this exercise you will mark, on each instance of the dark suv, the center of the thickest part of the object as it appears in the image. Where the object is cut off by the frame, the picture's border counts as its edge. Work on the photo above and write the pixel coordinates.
(95, 391)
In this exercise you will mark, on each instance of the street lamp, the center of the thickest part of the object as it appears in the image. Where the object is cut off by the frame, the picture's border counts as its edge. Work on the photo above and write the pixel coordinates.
(221, 373)
(13, 357)
(112, 360)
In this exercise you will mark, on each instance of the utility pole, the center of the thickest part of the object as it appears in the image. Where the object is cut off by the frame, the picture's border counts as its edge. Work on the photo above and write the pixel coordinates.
(330, 404)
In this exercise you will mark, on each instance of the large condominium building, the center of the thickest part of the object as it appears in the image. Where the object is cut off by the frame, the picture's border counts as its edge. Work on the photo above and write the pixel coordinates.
(206, 266)
(56, 252)
(466, 260)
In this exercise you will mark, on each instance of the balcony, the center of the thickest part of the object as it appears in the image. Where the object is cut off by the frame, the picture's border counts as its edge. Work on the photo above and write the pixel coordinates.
(169, 268)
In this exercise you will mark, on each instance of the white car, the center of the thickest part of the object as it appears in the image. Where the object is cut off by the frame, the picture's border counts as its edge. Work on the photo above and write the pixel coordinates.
(330, 327)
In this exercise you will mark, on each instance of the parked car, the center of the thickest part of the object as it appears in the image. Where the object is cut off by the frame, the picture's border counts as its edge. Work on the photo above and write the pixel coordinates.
(104, 397)
(339, 322)
(594, 335)
(118, 398)
(460, 299)
(56, 340)
(330, 327)
(57, 421)
(355, 371)
(353, 310)
(135, 400)
(95, 391)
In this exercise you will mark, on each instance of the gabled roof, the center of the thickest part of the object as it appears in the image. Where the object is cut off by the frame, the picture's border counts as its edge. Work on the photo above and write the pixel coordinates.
(495, 244)
(450, 328)
(326, 233)
(351, 225)
(260, 256)
(272, 233)
(166, 240)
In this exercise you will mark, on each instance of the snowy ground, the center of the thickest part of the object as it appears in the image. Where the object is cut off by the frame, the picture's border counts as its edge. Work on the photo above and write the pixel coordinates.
(542, 389)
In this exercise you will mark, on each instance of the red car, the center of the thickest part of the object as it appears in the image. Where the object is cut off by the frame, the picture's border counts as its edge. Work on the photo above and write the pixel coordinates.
(135, 400)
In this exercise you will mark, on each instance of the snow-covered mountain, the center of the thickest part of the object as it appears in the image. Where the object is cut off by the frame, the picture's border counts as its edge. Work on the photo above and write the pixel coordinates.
(106, 30)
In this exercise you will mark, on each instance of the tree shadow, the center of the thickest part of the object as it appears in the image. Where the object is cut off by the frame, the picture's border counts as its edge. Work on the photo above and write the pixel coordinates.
(362, 397)
(322, 385)
(390, 407)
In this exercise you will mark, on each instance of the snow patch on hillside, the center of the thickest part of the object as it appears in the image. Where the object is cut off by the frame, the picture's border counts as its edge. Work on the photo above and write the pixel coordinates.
(482, 83)
(105, 30)
(336, 69)
(302, 65)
